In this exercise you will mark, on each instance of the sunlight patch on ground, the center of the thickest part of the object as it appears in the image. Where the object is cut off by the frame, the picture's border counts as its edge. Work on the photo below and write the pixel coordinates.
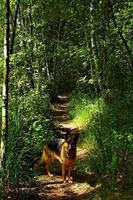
(53, 187)
(81, 153)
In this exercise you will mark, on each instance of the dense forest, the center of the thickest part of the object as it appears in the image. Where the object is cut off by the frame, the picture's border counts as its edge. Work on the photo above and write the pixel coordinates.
(81, 50)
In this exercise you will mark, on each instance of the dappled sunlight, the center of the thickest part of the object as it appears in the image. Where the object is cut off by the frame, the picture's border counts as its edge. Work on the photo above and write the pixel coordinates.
(53, 188)
(85, 111)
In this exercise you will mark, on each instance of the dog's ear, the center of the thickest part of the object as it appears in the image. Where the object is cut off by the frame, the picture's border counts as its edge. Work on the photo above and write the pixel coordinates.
(73, 139)
(76, 137)
(63, 134)
(69, 140)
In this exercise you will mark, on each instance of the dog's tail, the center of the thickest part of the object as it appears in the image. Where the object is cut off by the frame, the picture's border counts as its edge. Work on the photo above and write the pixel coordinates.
(38, 162)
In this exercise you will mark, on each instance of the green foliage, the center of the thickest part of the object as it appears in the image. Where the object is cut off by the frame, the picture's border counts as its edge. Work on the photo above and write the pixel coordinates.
(0, 116)
(29, 128)
(113, 142)
(0, 95)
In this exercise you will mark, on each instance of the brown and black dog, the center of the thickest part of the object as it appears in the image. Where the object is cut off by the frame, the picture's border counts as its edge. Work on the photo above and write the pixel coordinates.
(62, 150)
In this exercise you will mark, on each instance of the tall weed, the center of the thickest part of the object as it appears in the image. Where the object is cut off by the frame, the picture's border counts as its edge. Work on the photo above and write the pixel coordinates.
(29, 128)
(111, 129)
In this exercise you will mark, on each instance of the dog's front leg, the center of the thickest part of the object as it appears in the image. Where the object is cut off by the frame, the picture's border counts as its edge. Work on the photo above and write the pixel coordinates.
(58, 158)
(69, 175)
(64, 173)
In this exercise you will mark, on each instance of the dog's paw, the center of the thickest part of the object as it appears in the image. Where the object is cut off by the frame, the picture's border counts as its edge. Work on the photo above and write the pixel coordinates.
(50, 175)
(64, 181)
(70, 181)
(69, 178)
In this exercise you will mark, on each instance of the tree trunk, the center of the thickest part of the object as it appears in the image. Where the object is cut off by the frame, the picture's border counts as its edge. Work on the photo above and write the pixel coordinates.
(14, 27)
(4, 133)
(121, 36)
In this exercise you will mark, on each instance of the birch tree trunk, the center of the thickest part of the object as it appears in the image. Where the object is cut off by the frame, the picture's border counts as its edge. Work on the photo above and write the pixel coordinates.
(4, 133)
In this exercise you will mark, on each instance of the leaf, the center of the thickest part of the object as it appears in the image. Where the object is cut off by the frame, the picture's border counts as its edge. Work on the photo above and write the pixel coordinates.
(114, 163)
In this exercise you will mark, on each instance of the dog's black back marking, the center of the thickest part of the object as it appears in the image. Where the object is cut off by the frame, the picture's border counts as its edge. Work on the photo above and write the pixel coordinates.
(55, 145)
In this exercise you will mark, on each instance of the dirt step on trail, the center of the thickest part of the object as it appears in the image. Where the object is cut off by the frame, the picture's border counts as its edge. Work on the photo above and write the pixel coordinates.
(60, 114)
(61, 99)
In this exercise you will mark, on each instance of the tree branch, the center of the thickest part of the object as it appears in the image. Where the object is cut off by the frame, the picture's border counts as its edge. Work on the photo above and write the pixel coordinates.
(121, 35)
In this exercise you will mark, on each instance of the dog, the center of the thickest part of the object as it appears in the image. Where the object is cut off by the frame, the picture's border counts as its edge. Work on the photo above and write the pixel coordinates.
(63, 150)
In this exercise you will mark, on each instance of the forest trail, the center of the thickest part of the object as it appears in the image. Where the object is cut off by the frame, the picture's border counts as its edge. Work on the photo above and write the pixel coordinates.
(60, 113)
(53, 188)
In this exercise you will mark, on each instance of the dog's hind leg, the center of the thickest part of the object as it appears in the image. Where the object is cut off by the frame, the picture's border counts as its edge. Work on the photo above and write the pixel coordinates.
(46, 167)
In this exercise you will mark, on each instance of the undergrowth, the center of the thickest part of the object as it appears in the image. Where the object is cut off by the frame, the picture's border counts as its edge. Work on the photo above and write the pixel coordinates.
(107, 133)
(29, 127)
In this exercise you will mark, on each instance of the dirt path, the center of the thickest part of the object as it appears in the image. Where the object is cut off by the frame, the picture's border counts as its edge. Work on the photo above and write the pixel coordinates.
(54, 188)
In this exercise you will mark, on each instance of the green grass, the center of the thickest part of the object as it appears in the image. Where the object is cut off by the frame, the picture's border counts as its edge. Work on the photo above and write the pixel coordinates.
(83, 110)
(0, 108)
(106, 133)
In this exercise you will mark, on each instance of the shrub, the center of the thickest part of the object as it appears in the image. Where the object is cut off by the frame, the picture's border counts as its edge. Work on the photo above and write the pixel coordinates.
(29, 127)
(108, 129)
